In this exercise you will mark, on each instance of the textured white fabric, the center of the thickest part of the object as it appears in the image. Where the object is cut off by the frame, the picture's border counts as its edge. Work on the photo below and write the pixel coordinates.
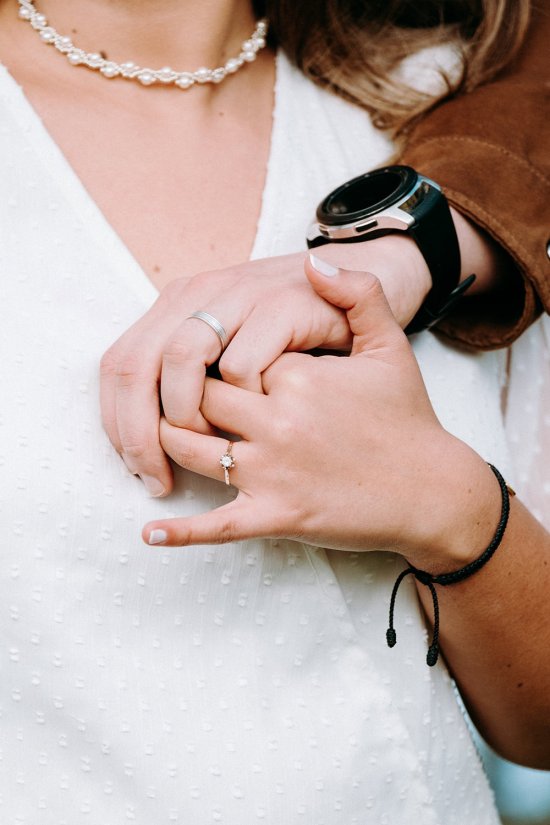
(527, 417)
(236, 684)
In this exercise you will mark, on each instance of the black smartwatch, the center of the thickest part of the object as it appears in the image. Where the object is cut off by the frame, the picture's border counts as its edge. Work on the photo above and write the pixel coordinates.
(398, 199)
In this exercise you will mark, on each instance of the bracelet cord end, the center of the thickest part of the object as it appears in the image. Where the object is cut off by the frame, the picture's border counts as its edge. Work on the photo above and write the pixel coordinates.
(445, 579)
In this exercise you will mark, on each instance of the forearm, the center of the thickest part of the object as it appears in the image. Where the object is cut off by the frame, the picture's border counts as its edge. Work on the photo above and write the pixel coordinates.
(495, 625)
(488, 149)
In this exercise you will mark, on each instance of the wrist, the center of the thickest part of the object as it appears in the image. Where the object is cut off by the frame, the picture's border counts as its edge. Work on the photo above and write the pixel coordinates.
(482, 255)
(430, 578)
(458, 512)
(398, 264)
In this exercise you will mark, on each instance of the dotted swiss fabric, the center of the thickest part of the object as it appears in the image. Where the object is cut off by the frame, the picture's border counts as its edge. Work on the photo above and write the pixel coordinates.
(238, 684)
(528, 417)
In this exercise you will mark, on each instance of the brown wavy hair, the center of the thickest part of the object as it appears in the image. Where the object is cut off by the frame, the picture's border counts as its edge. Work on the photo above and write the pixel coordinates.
(354, 46)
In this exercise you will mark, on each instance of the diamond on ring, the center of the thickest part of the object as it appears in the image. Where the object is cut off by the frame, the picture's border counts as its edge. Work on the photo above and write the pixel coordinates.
(227, 461)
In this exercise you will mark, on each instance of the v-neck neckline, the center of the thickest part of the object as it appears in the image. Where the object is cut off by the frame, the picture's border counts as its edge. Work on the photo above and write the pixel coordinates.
(81, 201)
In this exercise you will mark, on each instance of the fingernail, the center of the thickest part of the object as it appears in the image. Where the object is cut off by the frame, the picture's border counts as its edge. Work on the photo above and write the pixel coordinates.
(157, 536)
(323, 267)
(154, 486)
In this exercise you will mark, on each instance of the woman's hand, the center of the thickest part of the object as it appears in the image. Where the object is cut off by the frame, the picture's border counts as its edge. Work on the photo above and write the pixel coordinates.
(347, 453)
(340, 452)
(267, 307)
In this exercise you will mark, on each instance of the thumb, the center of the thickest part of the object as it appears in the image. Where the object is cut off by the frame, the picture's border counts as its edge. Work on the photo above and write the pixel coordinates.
(361, 296)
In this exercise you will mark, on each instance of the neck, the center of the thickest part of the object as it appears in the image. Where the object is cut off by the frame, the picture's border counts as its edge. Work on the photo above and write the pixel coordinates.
(183, 34)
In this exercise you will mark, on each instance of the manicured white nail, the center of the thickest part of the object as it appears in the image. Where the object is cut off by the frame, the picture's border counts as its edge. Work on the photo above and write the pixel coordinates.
(323, 267)
(157, 536)
(154, 486)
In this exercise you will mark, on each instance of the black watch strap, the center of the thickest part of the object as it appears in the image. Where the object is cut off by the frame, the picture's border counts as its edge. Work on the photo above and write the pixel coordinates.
(321, 240)
(435, 235)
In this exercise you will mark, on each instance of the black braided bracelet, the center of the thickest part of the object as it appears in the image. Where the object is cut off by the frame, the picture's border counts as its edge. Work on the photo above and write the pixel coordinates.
(451, 578)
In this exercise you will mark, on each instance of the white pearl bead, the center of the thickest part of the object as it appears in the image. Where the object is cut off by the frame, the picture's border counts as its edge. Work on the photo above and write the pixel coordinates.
(47, 35)
(218, 75)
(75, 57)
(64, 44)
(128, 68)
(146, 77)
(94, 60)
(233, 65)
(110, 70)
(202, 75)
(38, 21)
(248, 56)
(24, 13)
(166, 75)
(185, 80)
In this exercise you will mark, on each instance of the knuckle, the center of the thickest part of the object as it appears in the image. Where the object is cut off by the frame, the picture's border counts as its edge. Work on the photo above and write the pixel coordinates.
(201, 277)
(177, 350)
(136, 450)
(210, 283)
(128, 369)
(141, 444)
(173, 415)
(371, 286)
(219, 277)
(234, 370)
(300, 377)
(286, 430)
(227, 532)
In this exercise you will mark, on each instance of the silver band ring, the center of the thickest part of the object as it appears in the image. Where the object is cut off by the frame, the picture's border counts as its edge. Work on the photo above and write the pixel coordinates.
(213, 324)
(227, 461)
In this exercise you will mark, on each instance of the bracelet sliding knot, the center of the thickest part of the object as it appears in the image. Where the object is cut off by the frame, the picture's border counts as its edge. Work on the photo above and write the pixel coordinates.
(445, 579)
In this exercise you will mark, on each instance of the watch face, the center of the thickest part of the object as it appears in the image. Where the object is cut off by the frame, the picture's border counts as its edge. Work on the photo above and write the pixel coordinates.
(366, 195)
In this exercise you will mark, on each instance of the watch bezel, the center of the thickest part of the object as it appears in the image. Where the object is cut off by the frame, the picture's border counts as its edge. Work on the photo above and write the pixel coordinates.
(406, 181)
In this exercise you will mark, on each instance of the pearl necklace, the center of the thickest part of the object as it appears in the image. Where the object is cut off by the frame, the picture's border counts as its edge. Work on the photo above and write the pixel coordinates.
(131, 71)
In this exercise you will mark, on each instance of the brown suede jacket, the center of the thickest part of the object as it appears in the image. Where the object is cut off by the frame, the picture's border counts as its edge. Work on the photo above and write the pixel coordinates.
(490, 151)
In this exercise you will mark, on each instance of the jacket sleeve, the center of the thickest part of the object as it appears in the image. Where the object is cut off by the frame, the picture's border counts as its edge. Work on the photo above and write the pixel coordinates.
(490, 151)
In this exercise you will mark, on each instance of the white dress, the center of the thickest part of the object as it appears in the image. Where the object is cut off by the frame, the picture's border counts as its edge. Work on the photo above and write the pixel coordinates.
(236, 684)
